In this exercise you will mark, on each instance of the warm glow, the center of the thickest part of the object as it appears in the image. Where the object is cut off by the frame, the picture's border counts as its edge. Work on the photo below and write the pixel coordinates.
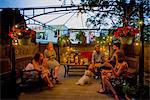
(19, 33)
(16, 26)
(136, 43)
(138, 34)
(16, 43)
(140, 22)
(110, 37)
(68, 48)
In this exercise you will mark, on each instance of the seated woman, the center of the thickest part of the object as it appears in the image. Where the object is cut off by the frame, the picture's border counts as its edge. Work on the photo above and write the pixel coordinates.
(50, 53)
(35, 65)
(40, 64)
(45, 73)
(116, 72)
(112, 62)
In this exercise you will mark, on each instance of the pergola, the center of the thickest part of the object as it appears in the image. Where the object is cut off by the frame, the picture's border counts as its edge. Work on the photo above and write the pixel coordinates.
(82, 9)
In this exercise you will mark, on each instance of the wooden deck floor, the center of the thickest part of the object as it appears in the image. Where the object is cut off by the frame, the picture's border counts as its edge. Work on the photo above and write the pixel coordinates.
(68, 90)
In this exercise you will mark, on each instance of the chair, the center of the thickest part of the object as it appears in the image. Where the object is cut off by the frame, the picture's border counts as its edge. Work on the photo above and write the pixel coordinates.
(30, 79)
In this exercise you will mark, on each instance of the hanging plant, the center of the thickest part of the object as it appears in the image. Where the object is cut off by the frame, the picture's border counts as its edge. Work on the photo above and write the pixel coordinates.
(81, 37)
(64, 41)
(126, 34)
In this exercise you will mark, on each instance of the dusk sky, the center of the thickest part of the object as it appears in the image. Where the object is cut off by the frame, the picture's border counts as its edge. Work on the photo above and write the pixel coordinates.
(76, 21)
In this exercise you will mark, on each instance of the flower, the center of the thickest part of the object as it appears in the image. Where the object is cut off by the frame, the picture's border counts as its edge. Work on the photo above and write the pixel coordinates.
(16, 34)
(126, 32)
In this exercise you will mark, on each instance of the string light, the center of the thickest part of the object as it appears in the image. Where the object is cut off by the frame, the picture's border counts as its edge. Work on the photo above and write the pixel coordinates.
(16, 26)
(19, 33)
(136, 43)
(140, 22)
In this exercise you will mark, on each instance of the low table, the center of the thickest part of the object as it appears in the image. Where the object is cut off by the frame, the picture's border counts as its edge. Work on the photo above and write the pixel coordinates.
(73, 66)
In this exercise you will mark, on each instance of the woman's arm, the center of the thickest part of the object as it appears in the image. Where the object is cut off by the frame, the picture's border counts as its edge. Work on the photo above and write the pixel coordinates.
(120, 70)
(36, 65)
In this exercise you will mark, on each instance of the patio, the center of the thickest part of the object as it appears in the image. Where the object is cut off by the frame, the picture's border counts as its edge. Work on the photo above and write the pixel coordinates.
(68, 90)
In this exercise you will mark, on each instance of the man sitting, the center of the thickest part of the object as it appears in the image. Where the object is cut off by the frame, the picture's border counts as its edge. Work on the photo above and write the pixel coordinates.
(98, 58)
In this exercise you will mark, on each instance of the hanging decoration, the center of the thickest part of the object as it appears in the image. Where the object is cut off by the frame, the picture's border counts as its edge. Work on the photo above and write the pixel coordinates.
(21, 36)
(126, 34)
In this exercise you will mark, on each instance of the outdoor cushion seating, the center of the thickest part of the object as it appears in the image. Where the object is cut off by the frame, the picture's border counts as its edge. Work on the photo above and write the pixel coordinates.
(86, 54)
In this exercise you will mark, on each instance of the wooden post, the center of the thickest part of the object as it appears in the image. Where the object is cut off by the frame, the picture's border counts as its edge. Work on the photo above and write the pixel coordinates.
(141, 58)
(58, 35)
(13, 89)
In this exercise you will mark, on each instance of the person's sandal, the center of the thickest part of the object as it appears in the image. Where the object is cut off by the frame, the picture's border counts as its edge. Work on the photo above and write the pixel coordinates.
(57, 81)
(101, 91)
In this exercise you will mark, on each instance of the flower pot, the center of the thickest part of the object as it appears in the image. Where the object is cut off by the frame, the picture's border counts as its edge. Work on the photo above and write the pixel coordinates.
(126, 40)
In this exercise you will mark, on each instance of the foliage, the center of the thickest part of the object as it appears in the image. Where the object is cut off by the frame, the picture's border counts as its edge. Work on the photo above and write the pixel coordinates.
(119, 12)
(64, 41)
(81, 37)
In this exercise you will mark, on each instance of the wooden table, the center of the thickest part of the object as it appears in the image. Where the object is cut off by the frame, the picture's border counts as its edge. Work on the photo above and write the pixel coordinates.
(74, 66)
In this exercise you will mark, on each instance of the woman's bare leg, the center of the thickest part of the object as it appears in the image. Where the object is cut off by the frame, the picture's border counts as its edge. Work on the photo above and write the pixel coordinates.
(107, 65)
(108, 84)
(49, 83)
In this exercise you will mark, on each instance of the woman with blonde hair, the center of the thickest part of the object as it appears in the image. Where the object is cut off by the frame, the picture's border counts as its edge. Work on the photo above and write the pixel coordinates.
(50, 53)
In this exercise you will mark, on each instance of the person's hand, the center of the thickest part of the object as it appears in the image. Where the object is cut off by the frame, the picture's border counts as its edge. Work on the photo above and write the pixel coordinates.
(104, 72)
(98, 65)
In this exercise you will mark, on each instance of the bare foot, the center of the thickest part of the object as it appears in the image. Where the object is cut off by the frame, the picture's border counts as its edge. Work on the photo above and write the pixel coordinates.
(50, 86)
(101, 91)
(116, 97)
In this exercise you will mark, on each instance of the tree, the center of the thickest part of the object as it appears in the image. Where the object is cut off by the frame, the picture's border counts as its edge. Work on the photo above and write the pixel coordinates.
(119, 12)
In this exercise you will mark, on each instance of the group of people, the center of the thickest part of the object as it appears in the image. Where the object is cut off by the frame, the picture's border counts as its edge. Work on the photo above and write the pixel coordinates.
(43, 62)
(108, 69)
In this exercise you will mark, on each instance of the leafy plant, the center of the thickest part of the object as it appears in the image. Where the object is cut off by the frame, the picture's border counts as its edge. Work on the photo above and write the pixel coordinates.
(81, 37)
